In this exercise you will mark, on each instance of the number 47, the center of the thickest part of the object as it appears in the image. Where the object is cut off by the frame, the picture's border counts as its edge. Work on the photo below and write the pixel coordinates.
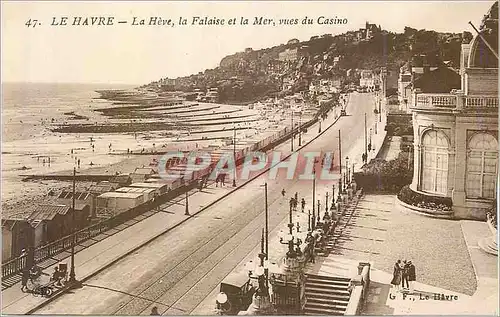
(31, 23)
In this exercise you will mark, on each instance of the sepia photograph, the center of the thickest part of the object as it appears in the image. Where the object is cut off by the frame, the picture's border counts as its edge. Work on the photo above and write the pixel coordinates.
(249, 158)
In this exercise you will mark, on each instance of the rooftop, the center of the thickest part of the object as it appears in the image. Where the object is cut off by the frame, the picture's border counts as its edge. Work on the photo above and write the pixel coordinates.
(120, 195)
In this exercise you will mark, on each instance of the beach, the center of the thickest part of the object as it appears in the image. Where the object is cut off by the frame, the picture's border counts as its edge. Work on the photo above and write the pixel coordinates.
(34, 143)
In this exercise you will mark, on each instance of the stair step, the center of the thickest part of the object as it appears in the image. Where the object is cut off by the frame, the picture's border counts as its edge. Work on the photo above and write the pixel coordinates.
(325, 306)
(322, 291)
(327, 282)
(332, 297)
(330, 278)
(326, 287)
(314, 311)
(328, 301)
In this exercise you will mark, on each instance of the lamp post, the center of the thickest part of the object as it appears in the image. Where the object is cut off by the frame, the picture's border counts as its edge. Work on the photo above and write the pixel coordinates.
(313, 193)
(366, 146)
(234, 154)
(292, 128)
(300, 129)
(267, 223)
(340, 168)
(72, 276)
(347, 168)
(291, 254)
(333, 195)
(326, 202)
(352, 172)
(187, 205)
(319, 208)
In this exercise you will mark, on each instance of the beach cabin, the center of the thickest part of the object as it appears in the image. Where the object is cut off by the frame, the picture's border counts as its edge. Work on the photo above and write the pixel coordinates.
(160, 188)
(51, 222)
(121, 180)
(113, 203)
(16, 236)
(65, 197)
(148, 193)
(141, 174)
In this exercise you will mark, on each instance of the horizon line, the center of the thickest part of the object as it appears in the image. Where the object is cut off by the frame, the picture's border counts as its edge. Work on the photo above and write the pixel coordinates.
(70, 83)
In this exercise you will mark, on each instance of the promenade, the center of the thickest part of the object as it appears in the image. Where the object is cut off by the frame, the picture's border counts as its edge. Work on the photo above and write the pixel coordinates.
(106, 252)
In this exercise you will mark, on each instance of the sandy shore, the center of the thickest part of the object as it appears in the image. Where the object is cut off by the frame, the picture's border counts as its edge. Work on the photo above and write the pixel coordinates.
(106, 154)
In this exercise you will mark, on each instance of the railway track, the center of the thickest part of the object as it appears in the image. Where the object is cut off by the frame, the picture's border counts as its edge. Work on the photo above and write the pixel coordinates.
(216, 256)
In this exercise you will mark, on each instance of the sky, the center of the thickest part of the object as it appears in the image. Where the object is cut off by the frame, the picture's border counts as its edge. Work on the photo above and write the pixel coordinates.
(127, 54)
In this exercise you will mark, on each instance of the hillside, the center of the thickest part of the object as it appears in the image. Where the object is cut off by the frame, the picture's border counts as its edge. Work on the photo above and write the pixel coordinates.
(250, 75)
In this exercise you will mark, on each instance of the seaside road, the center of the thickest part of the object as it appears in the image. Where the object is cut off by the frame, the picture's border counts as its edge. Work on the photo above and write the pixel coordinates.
(183, 266)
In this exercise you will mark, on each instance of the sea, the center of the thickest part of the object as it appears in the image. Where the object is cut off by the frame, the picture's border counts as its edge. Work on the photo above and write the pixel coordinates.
(28, 110)
(25, 105)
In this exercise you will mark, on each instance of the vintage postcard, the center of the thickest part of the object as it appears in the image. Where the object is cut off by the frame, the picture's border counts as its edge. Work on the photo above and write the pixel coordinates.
(249, 158)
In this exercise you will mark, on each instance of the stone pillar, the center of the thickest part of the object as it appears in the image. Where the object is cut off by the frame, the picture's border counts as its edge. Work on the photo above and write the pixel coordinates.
(458, 194)
(416, 154)
(417, 157)
(291, 268)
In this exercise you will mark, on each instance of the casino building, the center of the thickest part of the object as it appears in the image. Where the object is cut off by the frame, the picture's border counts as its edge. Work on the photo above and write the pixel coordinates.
(456, 132)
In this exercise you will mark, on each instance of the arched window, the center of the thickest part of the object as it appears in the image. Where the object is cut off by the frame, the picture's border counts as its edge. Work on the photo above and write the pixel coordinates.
(482, 165)
(434, 171)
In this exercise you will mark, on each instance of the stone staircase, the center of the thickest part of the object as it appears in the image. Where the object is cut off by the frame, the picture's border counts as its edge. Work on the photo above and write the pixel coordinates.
(326, 295)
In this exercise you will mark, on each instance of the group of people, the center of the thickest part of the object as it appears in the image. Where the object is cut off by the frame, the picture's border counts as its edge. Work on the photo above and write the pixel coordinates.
(34, 274)
(404, 276)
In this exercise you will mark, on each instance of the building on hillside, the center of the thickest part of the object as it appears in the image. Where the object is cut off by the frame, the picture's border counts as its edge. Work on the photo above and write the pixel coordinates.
(456, 133)
(293, 41)
(404, 87)
(370, 30)
(289, 55)
(424, 63)
(367, 79)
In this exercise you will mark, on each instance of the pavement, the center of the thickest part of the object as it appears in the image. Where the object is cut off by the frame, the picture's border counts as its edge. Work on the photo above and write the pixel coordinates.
(106, 252)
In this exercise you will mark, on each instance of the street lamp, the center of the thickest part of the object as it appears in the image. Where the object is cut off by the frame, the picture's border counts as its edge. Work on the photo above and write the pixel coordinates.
(74, 283)
(347, 170)
(187, 205)
(234, 154)
(300, 129)
(326, 201)
(333, 195)
(289, 238)
(313, 192)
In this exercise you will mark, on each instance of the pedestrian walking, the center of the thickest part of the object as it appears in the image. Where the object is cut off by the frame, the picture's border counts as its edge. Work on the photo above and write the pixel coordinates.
(396, 275)
(283, 192)
(291, 202)
(296, 196)
(154, 311)
(24, 280)
(404, 275)
(78, 163)
(412, 277)
(303, 203)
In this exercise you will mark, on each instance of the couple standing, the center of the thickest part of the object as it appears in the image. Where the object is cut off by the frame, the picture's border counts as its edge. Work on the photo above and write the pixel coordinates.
(404, 276)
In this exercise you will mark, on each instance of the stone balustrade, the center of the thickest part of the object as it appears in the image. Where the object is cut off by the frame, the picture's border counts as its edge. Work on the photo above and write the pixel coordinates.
(426, 101)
